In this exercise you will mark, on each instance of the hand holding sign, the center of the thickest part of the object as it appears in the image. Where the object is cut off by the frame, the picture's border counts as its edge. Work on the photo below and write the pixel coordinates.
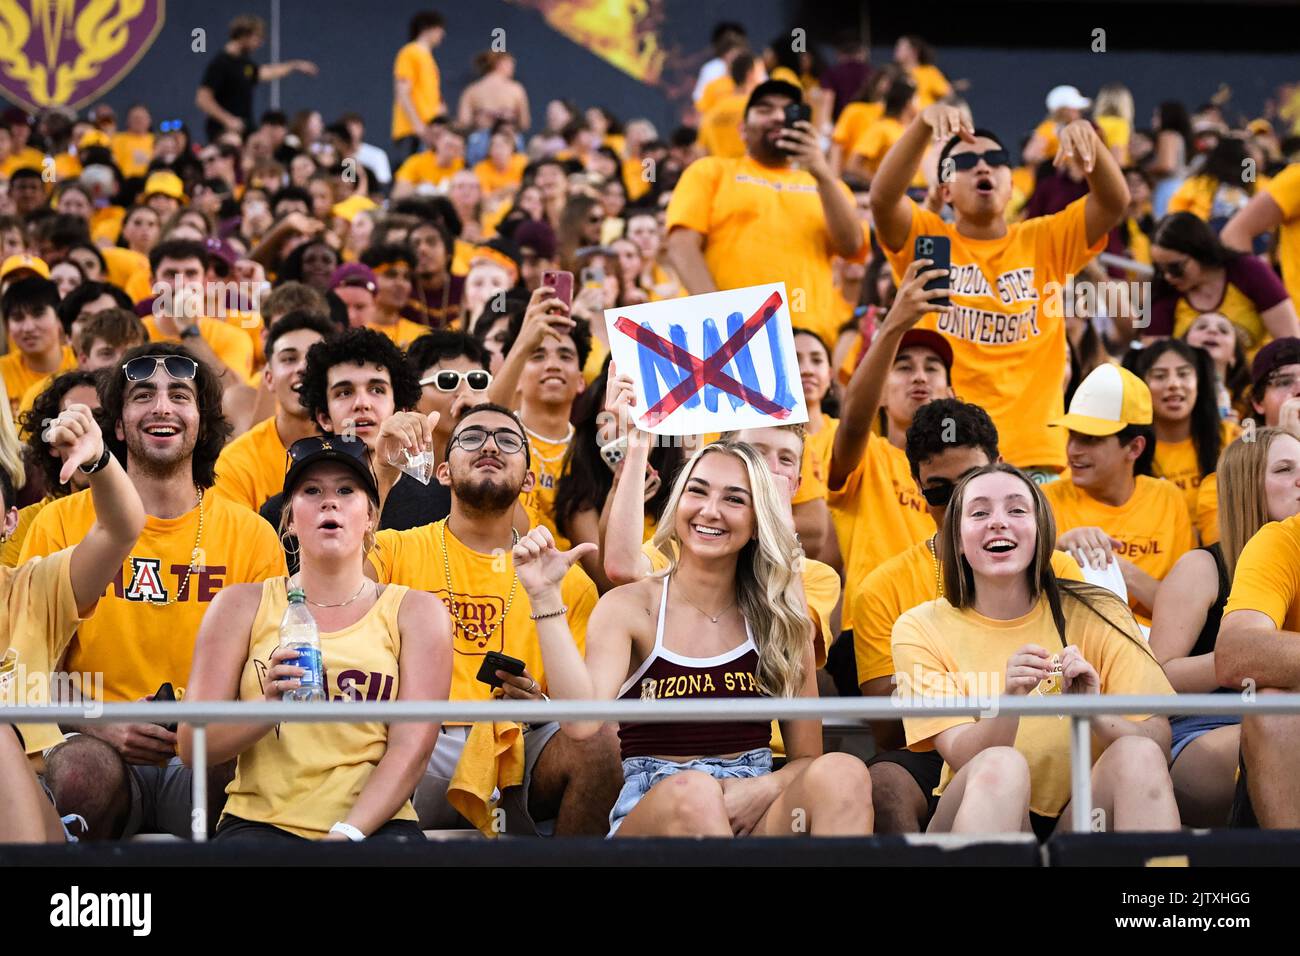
(710, 363)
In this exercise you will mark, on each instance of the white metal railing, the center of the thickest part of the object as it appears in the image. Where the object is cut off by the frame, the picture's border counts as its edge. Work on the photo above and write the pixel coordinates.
(1077, 708)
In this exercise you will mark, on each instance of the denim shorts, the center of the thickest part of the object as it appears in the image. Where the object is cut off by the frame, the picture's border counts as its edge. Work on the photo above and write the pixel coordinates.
(642, 773)
(1185, 729)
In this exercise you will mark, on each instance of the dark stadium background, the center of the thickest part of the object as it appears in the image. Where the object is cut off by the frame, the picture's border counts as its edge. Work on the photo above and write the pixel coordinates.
(1012, 52)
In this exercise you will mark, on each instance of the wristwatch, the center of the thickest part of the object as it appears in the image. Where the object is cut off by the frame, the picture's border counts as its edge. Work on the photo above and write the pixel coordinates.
(98, 465)
(191, 331)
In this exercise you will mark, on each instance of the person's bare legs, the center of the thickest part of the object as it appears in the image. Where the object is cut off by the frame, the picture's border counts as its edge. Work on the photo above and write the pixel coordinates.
(1132, 789)
(900, 805)
(687, 804)
(831, 797)
(1204, 777)
(575, 782)
(1270, 747)
(988, 795)
(28, 815)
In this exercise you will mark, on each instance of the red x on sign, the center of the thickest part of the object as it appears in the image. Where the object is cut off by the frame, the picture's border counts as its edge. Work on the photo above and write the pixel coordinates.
(706, 371)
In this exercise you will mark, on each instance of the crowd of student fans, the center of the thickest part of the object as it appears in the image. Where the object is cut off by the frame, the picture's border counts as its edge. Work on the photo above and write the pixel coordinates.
(323, 288)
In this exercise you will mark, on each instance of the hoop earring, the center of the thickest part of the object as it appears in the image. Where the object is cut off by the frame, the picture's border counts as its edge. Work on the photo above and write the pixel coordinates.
(284, 544)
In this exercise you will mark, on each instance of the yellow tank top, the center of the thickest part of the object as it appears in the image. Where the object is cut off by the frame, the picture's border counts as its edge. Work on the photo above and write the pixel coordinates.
(302, 777)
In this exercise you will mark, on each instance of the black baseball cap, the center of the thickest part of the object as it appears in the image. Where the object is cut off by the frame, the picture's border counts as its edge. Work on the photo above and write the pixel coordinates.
(773, 88)
(346, 450)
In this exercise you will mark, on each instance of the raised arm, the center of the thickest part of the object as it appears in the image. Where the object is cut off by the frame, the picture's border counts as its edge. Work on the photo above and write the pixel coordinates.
(1261, 214)
(119, 516)
(625, 562)
(862, 396)
(804, 147)
(424, 673)
(277, 71)
(544, 314)
(891, 211)
(1107, 191)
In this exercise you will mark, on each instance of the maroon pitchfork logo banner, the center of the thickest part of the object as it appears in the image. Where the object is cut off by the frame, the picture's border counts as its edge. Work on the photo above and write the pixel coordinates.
(71, 52)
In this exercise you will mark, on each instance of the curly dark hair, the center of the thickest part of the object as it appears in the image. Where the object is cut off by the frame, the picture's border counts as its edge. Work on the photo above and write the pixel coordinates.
(214, 428)
(949, 423)
(32, 424)
(356, 347)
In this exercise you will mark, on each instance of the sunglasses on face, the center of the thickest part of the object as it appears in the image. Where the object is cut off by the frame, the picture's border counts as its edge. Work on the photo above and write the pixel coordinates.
(448, 380)
(940, 495)
(144, 367)
(964, 162)
(508, 441)
(170, 126)
(1174, 270)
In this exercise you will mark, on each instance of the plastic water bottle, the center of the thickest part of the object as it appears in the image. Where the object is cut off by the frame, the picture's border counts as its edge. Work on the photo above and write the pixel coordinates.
(298, 631)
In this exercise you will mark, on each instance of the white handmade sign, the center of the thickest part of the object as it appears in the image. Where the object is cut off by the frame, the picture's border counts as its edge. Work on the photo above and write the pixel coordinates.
(710, 363)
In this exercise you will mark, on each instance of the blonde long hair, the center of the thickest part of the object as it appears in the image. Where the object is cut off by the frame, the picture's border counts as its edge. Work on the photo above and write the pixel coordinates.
(1114, 99)
(1243, 506)
(765, 572)
(11, 451)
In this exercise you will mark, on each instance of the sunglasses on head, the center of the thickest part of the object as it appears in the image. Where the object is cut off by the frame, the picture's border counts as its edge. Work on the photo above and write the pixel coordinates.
(963, 162)
(448, 380)
(144, 367)
(508, 441)
(940, 495)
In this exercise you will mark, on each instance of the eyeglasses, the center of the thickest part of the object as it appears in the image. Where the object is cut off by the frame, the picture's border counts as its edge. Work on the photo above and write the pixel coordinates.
(1281, 381)
(940, 495)
(964, 162)
(145, 367)
(509, 441)
(448, 380)
(1174, 270)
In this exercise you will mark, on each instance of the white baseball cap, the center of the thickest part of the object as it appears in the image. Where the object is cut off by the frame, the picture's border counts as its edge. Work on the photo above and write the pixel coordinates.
(1106, 402)
(1066, 97)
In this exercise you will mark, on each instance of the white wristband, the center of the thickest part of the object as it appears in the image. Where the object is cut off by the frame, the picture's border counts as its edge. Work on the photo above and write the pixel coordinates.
(349, 831)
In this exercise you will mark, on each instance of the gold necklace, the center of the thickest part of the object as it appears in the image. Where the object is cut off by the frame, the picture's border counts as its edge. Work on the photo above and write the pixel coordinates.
(706, 613)
(195, 556)
(471, 628)
(341, 603)
(934, 556)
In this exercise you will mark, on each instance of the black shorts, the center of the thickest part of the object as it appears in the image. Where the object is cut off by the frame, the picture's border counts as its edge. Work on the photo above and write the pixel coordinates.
(1042, 826)
(237, 828)
(925, 767)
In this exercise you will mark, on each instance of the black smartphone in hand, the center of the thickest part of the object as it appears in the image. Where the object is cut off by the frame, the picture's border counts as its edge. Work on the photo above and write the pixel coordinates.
(938, 249)
(493, 662)
(166, 693)
(797, 113)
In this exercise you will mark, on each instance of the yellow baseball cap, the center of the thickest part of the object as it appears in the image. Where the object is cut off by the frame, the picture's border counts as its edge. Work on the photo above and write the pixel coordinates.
(348, 208)
(1106, 402)
(166, 183)
(19, 263)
